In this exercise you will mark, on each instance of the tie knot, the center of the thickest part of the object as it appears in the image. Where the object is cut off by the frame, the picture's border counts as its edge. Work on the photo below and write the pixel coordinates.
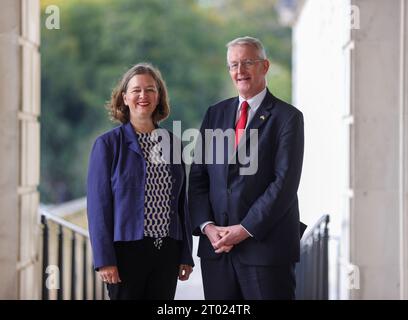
(244, 105)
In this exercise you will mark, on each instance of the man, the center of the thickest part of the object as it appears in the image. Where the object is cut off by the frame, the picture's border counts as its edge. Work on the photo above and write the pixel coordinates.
(249, 224)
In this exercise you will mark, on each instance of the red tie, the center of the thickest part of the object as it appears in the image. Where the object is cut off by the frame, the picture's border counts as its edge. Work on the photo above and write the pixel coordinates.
(239, 129)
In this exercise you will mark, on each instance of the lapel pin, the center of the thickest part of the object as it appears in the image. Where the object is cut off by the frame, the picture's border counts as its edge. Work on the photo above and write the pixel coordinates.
(262, 117)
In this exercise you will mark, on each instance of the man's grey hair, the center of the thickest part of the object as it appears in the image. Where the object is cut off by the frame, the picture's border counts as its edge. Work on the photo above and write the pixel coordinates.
(249, 41)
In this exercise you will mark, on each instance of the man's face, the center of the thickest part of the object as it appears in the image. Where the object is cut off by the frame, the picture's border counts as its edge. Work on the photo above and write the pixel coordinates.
(249, 75)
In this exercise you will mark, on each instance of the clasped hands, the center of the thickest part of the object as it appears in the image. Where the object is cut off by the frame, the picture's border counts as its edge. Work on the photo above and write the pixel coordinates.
(223, 239)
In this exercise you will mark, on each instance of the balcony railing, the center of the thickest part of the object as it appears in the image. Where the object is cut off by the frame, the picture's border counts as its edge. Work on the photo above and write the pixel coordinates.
(312, 271)
(67, 271)
(68, 274)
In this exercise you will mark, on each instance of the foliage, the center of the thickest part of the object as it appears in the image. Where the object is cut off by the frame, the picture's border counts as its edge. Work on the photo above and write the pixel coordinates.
(99, 40)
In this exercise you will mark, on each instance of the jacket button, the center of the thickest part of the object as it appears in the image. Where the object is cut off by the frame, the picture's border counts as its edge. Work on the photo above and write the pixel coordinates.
(173, 197)
(174, 180)
(229, 191)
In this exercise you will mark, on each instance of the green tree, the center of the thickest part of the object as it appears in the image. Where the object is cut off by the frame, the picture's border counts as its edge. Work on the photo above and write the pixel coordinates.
(99, 40)
(82, 61)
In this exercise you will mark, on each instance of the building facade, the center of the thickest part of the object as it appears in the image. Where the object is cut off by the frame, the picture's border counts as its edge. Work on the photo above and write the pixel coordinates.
(20, 149)
(350, 76)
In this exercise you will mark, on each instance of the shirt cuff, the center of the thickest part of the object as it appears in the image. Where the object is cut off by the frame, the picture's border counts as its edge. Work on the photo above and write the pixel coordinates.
(202, 226)
(247, 231)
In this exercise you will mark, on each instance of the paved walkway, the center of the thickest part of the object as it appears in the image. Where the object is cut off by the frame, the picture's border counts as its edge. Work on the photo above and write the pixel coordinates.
(192, 289)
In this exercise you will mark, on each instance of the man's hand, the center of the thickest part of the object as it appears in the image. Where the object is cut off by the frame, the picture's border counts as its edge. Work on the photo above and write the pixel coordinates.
(109, 274)
(214, 234)
(232, 236)
(184, 272)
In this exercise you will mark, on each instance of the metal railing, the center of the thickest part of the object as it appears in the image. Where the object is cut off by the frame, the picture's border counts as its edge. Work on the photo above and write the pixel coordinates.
(312, 271)
(67, 271)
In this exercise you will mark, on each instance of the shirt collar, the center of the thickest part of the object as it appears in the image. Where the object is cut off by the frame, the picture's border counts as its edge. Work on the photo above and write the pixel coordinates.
(253, 102)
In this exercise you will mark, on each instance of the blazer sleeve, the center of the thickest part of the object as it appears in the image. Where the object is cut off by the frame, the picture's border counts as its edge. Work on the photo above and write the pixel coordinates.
(270, 207)
(199, 186)
(100, 205)
(187, 247)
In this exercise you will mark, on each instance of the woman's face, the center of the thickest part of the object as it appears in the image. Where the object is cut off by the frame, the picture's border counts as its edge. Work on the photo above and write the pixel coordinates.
(141, 96)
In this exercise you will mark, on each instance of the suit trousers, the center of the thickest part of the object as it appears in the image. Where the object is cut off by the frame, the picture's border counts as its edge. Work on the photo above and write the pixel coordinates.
(147, 273)
(226, 278)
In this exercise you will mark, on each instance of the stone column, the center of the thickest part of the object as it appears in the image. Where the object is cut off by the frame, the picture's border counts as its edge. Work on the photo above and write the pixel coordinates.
(19, 145)
(377, 160)
(403, 166)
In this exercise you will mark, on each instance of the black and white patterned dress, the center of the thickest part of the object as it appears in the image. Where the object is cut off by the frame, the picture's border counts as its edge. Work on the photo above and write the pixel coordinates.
(157, 204)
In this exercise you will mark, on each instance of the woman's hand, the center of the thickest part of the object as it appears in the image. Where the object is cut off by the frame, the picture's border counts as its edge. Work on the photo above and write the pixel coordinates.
(184, 272)
(109, 274)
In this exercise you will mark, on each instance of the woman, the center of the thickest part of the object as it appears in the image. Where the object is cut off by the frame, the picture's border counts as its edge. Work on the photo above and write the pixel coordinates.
(139, 229)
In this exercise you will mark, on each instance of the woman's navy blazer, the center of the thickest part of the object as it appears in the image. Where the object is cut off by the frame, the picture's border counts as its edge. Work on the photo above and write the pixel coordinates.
(115, 195)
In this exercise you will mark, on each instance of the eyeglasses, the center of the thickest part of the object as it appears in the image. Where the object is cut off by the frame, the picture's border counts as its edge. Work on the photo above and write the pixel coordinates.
(244, 64)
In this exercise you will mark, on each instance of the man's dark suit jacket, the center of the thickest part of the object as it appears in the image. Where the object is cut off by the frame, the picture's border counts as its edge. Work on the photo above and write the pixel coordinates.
(266, 202)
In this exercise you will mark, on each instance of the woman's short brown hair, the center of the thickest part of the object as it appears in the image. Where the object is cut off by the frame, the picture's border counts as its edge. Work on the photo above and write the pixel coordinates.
(116, 106)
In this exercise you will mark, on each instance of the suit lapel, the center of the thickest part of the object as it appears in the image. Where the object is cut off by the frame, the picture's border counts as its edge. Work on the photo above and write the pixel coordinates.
(131, 138)
(258, 120)
(230, 113)
(262, 114)
(133, 144)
